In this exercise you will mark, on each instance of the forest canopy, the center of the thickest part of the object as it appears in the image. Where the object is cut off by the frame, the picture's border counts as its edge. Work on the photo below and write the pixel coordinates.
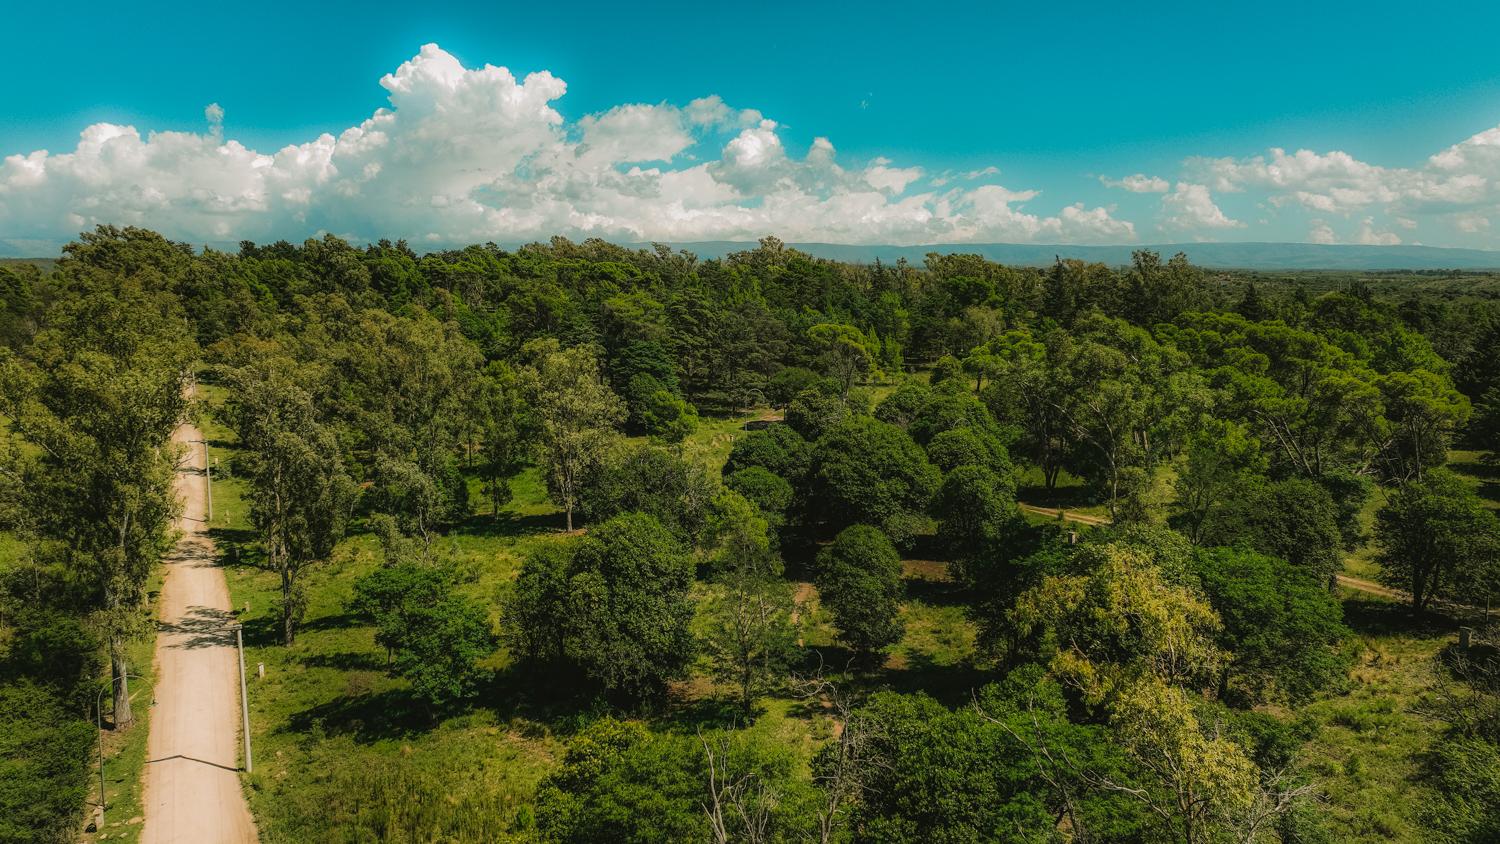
(756, 481)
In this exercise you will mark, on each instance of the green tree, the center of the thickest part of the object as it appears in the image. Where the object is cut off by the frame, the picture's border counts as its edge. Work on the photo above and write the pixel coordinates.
(1222, 465)
(791, 381)
(859, 579)
(96, 396)
(620, 782)
(866, 471)
(974, 508)
(750, 633)
(971, 446)
(43, 772)
(504, 431)
(300, 495)
(614, 606)
(1282, 627)
(846, 352)
(649, 479)
(1294, 519)
(778, 449)
(576, 417)
(438, 646)
(392, 595)
(772, 494)
(1437, 540)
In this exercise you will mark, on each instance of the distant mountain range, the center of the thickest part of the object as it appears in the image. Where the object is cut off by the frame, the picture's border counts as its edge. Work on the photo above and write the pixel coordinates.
(1251, 256)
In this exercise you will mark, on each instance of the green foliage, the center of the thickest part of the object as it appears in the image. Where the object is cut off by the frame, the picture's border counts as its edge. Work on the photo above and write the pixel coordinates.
(859, 580)
(1282, 627)
(847, 354)
(613, 606)
(864, 470)
(422, 377)
(812, 414)
(971, 446)
(660, 412)
(778, 449)
(619, 782)
(792, 381)
(1437, 540)
(435, 635)
(391, 595)
(769, 492)
(44, 773)
(95, 397)
(1118, 622)
(938, 775)
(650, 480)
(1466, 773)
(300, 494)
(438, 647)
(576, 414)
(1294, 519)
(975, 509)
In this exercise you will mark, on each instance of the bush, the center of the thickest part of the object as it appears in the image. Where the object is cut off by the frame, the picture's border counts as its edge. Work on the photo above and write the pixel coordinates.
(812, 413)
(613, 607)
(859, 580)
(865, 471)
(44, 754)
(972, 446)
(771, 493)
(778, 449)
(793, 381)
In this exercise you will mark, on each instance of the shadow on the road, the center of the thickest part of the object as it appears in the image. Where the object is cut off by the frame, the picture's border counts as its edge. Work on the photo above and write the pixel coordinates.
(193, 759)
(203, 627)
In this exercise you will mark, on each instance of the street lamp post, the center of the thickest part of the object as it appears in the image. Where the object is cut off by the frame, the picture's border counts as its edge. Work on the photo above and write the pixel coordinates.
(99, 724)
(239, 642)
(208, 473)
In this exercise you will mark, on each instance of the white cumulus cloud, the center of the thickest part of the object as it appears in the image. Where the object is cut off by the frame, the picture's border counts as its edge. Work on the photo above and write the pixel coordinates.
(471, 154)
(1138, 183)
(1190, 207)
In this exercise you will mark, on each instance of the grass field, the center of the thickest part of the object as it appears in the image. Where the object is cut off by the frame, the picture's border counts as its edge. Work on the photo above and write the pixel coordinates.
(1365, 753)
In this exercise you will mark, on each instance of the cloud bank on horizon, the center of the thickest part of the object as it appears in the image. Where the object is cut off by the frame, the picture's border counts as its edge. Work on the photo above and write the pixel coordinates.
(468, 155)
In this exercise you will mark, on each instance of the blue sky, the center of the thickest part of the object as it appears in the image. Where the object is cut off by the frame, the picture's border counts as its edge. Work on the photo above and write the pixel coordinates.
(1062, 100)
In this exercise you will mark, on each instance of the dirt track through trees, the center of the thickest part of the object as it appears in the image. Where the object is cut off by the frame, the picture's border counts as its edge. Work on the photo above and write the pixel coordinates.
(193, 789)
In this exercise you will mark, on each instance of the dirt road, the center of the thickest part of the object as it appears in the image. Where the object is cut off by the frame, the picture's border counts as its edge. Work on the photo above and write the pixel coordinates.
(193, 789)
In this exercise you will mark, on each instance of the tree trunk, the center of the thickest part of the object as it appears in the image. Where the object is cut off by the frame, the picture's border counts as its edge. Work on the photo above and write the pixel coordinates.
(119, 671)
(288, 612)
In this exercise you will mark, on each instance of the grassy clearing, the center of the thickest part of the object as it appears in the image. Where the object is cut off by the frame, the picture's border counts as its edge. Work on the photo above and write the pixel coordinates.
(1360, 562)
(1366, 751)
(1481, 469)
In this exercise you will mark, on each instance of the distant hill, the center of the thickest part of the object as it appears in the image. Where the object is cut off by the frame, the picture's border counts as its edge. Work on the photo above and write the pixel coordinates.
(1250, 256)
(43, 264)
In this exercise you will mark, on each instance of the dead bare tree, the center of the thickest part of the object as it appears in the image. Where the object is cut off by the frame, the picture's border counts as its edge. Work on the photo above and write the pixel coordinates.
(842, 771)
(738, 801)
